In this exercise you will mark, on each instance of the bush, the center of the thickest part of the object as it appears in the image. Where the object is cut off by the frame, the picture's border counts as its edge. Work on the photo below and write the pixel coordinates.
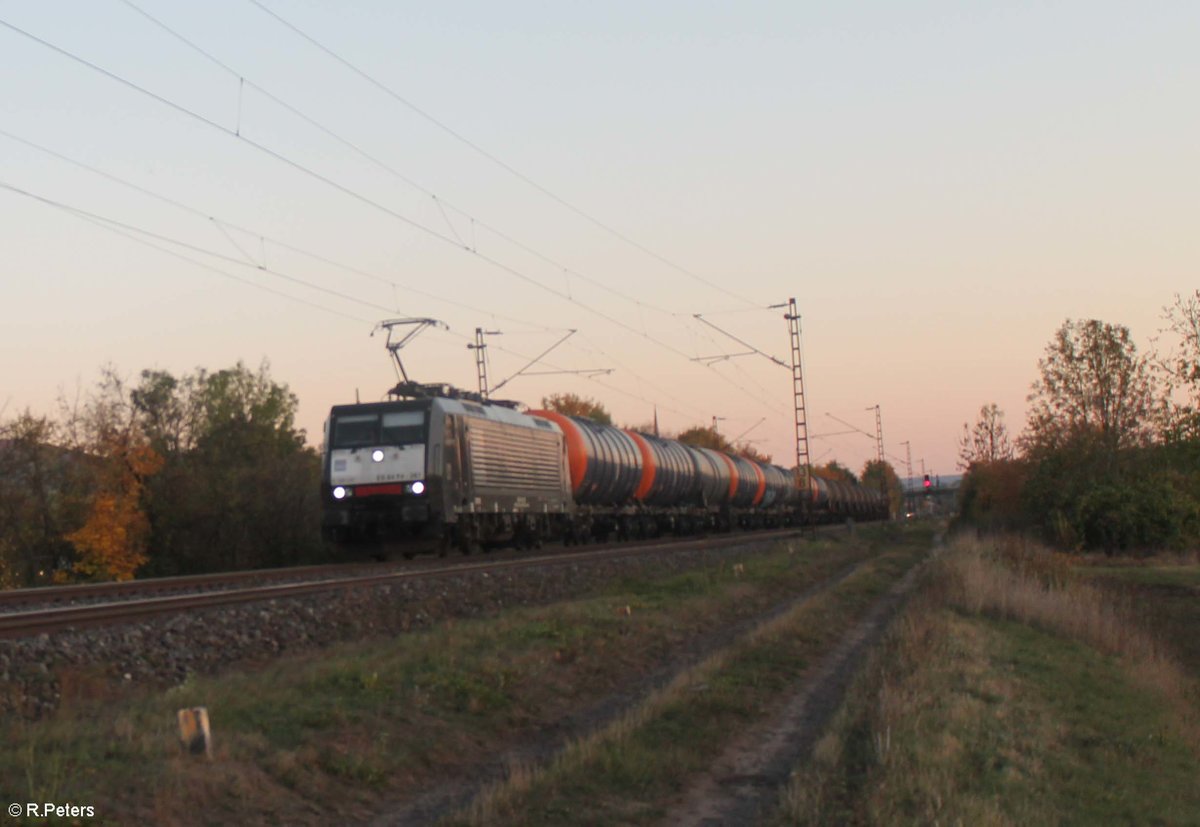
(990, 495)
(1138, 500)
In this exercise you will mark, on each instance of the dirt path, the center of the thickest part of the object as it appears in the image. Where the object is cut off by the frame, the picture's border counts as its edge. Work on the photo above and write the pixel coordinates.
(743, 784)
(546, 742)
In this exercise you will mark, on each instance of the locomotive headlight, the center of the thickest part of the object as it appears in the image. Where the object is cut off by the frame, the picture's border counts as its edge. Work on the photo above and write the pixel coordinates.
(339, 493)
(377, 455)
(418, 487)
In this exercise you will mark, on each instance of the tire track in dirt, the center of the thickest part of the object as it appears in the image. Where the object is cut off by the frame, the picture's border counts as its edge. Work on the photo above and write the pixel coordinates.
(743, 784)
(549, 740)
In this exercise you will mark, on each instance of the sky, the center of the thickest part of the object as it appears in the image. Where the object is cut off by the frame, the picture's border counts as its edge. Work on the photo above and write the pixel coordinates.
(938, 185)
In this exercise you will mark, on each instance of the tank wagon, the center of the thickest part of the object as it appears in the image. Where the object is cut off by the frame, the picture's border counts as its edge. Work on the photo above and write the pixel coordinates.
(447, 471)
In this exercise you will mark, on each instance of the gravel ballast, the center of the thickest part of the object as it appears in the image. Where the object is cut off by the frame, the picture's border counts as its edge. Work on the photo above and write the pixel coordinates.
(164, 651)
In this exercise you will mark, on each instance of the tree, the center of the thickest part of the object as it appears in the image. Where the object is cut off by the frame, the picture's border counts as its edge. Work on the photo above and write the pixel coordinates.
(1183, 363)
(747, 450)
(162, 403)
(240, 488)
(41, 495)
(990, 496)
(834, 470)
(702, 437)
(987, 442)
(173, 476)
(1095, 479)
(712, 439)
(1093, 386)
(1180, 368)
(235, 405)
(112, 542)
(570, 404)
(879, 475)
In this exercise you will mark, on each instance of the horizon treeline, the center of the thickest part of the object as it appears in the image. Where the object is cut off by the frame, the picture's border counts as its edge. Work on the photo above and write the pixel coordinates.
(171, 475)
(1109, 459)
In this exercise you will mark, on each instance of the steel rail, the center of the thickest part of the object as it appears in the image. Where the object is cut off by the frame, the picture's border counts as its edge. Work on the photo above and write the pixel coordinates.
(27, 623)
(84, 591)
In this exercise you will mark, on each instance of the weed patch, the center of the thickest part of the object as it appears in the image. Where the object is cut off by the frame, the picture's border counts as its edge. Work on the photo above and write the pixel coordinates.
(1010, 692)
(629, 771)
(336, 734)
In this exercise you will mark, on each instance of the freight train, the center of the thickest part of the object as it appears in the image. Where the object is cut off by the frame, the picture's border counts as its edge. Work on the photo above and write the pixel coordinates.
(448, 470)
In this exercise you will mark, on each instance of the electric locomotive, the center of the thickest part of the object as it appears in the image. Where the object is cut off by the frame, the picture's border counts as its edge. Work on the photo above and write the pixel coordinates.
(444, 469)
(441, 471)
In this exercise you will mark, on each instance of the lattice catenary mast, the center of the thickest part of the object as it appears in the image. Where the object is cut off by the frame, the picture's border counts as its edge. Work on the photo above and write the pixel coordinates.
(802, 456)
(480, 348)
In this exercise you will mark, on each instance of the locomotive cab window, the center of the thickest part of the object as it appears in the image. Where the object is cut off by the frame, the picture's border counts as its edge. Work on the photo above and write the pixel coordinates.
(403, 428)
(392, 428)
(355, 430)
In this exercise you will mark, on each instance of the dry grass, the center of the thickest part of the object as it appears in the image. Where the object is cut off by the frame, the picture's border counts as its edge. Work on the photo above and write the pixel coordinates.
(625, 748)
(1166, 559)
(1016, 580)
(328, 735)
(868, 768)
(1010, 692)
(504, 798)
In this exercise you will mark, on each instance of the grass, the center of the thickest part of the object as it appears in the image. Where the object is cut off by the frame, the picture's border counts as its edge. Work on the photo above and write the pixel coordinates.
(337, 733)
(1014, 690)
(630, 771)
(1166, 597)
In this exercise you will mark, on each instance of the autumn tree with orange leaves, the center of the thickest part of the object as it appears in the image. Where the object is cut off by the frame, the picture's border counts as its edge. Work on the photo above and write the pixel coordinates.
(111, 543)
(165, 476)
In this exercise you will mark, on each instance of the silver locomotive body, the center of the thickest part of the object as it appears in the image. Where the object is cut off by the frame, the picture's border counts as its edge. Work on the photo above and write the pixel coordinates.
(435, 473)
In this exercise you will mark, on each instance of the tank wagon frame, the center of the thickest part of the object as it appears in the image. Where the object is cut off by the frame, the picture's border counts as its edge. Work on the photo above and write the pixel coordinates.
(441, 472)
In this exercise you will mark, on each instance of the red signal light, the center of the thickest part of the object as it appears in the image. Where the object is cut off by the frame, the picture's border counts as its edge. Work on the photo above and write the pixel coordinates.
(928, 484)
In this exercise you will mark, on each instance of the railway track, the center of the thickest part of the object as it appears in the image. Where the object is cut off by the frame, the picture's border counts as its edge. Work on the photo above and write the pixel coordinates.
(114, 603)
(57, 596)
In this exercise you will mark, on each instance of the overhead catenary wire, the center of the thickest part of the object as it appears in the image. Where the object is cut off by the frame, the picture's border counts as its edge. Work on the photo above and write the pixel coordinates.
(627, 369)
(250, 259)
(346, 190)
(138, 234)
(440, 202)
(130, 228)
(495, 159)
(142, 236)
(351, 193)
(608, 386)
(222, 223)
(132, 235)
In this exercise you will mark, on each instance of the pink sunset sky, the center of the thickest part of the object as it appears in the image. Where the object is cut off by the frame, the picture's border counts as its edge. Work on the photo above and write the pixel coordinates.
(938, 186)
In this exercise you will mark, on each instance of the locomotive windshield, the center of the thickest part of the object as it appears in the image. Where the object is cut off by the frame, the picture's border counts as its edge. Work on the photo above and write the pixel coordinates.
(391, 428)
